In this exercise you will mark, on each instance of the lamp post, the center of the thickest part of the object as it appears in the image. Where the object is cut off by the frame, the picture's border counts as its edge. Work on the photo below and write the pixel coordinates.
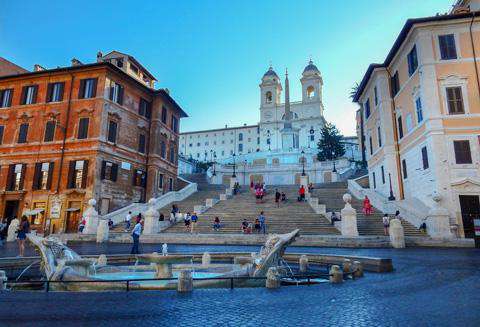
(391, 197)
(214, 161)
(303, 163)
(244, 171)
(234, 175)
(334, 168)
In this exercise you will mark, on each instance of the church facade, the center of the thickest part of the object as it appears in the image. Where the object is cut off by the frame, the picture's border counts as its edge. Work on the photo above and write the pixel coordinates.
(305, 117)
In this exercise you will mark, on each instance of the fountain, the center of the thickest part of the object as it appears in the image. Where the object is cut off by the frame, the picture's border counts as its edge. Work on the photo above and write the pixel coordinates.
(61, 264)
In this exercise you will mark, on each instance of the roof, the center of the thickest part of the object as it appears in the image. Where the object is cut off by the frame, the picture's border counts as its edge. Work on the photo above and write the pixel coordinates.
(134, 61)
(9, 68)
(311, 67)
(219, 129)
(399, 41)
(162, 92)
(270, 72)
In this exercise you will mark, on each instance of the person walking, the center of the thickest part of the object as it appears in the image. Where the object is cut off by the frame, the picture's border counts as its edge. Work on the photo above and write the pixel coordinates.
(128, 219)
(263, 225)
(137, 230)
(386, 224)
(277, 197)
(194, 221)
(301, 194)
(23, 230)
(367, 206)
(257, 226)
(186, 221)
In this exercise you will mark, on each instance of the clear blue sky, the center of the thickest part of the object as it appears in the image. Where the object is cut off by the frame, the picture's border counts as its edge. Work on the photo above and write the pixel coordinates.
(212, 54)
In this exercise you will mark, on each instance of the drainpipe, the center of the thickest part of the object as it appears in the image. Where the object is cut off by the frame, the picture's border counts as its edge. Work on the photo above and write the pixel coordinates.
(474, 54)
(395, 140)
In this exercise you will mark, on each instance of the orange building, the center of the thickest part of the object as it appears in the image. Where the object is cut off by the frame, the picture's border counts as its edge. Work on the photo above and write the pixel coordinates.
(95, 130)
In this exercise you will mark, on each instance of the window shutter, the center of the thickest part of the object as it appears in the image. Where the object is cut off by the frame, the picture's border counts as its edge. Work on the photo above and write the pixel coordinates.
(114, 172)
(2, 128)
(111, 93)
(11, 170)
(85, 174)
(23, 133)
(62, 88)
(49, 92)
(71, 174)
(94, 87)
(35, 92)
(50, 175)
(36, 176)
(148, 110)
(81, 89)
(24, 95)
(141, 107)
(83, 128)
(102, 171)
(22, 180)
(9, 102)
(120, 95)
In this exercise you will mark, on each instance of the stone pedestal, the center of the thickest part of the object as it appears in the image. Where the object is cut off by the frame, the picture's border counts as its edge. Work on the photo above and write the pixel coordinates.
(151, 219)
(206, 259)
(303, 263)
(102, 231)
(3, 279)
(185, 281)
(102, 260)
(273, 278)
(334, 177)
(336, 275)
(349, 218)
(438, 220)
(210, 202)
(397, 236)
(163, 270)
(357, 269)
(12, 230)
(91, 218)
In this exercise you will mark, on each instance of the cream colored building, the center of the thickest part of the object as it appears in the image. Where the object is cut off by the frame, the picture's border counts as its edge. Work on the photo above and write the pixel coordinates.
(419, 122)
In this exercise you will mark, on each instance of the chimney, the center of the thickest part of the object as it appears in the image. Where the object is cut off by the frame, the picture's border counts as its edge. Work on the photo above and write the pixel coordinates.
(37, 68)
(76, 62)
(99, 56)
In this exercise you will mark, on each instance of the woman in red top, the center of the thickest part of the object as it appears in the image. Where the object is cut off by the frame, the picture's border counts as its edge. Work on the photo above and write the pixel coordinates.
(367, 206)
(301, 192)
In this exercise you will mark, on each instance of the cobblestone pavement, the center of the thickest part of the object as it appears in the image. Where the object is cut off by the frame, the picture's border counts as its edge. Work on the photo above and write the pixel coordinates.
(429, 287)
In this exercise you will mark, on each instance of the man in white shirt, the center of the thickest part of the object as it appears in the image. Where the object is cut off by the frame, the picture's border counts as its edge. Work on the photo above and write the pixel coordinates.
(137, 230)
(128, 218)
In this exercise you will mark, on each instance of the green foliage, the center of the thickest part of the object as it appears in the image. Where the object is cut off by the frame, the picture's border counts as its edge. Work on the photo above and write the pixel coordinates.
(330, 145)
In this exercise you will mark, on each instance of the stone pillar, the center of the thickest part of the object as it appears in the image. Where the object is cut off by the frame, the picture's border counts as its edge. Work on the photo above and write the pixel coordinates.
(336, 275)
(12, 230)
(151, 218)
(163, 270)
(303, 263)
(206, 259)
(185, 281)
(397, 236)
(273, 278)
(349, 217)
(334, 177)
(357, 269)
(102, 231)
(102, 260)
(91, 218)
(438, 219)
(347, 266)
(3, 280)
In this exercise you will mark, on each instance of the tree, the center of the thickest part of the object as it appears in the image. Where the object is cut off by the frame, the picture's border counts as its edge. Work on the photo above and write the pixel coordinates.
(354, 90)
(330, 145)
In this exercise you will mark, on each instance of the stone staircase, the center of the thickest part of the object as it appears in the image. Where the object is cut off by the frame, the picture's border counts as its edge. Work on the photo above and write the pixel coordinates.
(287, 217)
(331, 195)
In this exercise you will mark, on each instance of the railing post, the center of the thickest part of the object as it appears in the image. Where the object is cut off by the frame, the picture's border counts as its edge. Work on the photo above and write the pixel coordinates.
(128, 285)
(231, 283)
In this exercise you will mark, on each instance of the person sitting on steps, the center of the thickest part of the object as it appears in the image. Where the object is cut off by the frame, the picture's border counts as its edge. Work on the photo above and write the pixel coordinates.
(216, 224)
(244, 226)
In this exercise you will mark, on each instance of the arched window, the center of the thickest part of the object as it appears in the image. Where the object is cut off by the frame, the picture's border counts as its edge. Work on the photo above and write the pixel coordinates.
(240, 136)
(268, 97)
(310, 92)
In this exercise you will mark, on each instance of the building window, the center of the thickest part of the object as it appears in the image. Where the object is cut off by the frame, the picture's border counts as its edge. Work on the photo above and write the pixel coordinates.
(145, 108)
(383, 175)
(170, 184)
(77, 174)
(448, 50)
(172, 153)
(109, 171)
(175, 124)
(190, 145)
(29, 94)
(310, 92)
(375, 95)
(462, 152)
(42, 179)
(455, 100)
(198, 143)
(371, 145)
(240, 147)
(6, 98)
(425, 157)
(2, 129)
(112, 131)
(412, 61)
(55, 92)
(23, 133)
(141, 143)
(367, 108)
(16, 177)
(116, 93)
(240, 136)
(134, 69)
(418, 107)
(395, 84)
(409, 122)
(312, 138)
(400, 127)
(163, 149)
(88, 88)
(160, 181)
(139, 178)
(49, 131)
(164, 115)
(379, 132)
(374, 180)
(83, 128)
(268, 97)
(404, 169)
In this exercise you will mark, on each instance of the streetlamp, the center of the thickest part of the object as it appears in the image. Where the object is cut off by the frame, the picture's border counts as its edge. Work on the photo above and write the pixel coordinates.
(303, 163)
(214, 161)
(244, 171)
(234, 175)
(391, 197)
(334, 168)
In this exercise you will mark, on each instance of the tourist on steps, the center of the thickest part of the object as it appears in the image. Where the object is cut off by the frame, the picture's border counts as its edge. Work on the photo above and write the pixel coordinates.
(284, 197)
(386, 224)
(301, 194)
(263, 224)
(216, 224)
(244, 226)
(194, 222)
(137, 230)
(186, 221)
(367, 206)
(257, 226)
(128, 219)
(23, 230)
(277, 197)
(397, 215)
(258, 195)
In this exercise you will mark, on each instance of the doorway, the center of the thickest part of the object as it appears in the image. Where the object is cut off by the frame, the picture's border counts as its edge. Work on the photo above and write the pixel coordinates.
(11, 210)
(73, 216)
(470, 209)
